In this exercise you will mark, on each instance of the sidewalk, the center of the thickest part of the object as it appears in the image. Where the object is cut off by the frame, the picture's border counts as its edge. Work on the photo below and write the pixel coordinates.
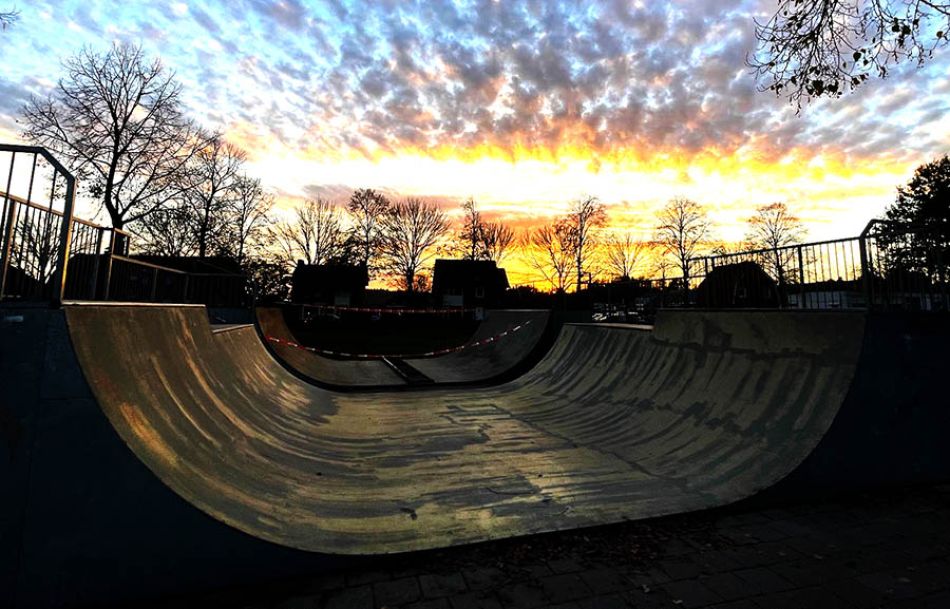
(881, 549)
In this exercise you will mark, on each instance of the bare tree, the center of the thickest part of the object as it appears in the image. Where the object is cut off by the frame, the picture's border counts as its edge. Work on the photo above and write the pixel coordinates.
(366, 209)
(470, 234)
(315, 235)
(117, 119)
(549, 250)
(168, 231)
(682, 227)
(623, 253)
(497, 240)
(773, 228)
(213, 174)
(815, 48)
(585, 215)
(481, 240)
(250, 217)
(8, 18)
(410, 231)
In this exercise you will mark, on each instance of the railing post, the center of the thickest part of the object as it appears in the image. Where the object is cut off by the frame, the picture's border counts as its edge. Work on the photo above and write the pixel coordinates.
(154, 284)
(65, 241)
(801, 278)
(8, 228)
(108, 278)
(866, 275)
(95, 265)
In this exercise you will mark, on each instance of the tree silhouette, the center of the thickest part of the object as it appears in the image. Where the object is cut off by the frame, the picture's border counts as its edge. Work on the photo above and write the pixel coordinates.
(410, 231)
(549, 250)
(480, 240)
(212, 194)
(117, 119)
(918, 235)
(8, 18)
(366, 209)
(823, 48)
(471, 232)
(586, 214)
(315, 234)
(623, 253)
(497, 240)
(249, 220)
(774, 228)
(682, 227)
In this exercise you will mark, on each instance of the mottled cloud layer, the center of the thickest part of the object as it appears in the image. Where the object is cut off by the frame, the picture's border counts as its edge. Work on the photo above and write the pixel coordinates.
(657, 88)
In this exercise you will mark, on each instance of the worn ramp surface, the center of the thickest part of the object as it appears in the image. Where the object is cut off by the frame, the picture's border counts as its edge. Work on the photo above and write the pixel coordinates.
(316, 367)
(524, 331)
(479, 363)
(613, 424)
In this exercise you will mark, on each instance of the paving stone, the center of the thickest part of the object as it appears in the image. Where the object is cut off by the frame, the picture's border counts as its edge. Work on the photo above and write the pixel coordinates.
(396, 592)
(565, 565)
(609, 601)
(681, 569)
(809, 598)
(474, 600)
(358, 578)
(941, 600)
(651, 578)
(727, 586)
(893, 585)
(564, 587)
(360, 597)
(855, 594)
(301, 602)
(691, 593)
(432, 603)
(718, 561)
(536, 570)
(604, 580)
(743, 604)
(437, 585)
(522, 596)
(481, 579)
(763, 581)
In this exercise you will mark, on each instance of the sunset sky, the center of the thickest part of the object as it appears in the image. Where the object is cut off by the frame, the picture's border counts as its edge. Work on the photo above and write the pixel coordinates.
(523, 105)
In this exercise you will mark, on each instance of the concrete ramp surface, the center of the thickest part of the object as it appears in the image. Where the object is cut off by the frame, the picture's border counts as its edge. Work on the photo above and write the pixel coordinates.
(613, 424)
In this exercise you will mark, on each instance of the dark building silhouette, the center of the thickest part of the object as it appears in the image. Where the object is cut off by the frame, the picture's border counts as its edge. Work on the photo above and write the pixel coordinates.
(329, 284)
(468, 283)
(739, 285)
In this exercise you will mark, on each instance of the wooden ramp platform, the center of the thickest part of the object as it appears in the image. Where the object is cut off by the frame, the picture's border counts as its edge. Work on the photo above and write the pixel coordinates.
(613, 424)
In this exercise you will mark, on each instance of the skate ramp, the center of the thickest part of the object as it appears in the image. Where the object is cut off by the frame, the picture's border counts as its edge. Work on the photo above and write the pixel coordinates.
(523, 331)
(315, 367)
(613, 424)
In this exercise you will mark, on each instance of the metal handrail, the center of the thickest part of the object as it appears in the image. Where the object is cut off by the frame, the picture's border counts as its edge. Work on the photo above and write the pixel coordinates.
(65, 236)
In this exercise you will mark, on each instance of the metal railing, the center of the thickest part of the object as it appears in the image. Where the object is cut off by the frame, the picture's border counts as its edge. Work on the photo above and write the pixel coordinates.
(49, 255)
(36, 239)
(890, 266)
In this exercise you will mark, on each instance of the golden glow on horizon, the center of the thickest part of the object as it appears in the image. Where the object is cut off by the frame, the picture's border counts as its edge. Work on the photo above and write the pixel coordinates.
(834, 195)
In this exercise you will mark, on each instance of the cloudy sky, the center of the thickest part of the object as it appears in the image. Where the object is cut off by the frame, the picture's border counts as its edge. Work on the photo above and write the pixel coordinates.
(524, 105)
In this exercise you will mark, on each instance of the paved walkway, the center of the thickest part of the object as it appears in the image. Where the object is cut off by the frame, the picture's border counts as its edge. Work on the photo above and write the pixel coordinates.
(882, 549)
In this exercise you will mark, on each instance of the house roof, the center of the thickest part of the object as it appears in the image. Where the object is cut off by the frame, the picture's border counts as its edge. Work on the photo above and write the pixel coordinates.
(450, 272)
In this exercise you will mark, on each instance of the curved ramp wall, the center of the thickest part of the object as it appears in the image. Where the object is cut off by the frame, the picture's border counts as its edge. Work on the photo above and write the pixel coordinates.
(613, 424)
(482, 363)
(315, 367)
